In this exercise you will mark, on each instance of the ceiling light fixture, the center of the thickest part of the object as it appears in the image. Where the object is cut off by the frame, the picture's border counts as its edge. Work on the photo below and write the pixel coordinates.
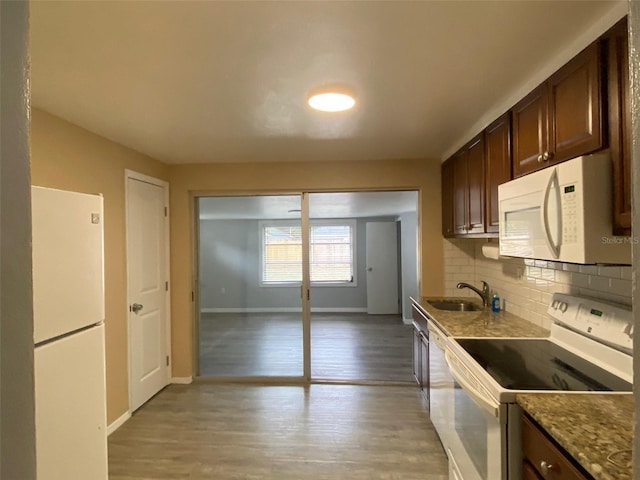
(331, 101)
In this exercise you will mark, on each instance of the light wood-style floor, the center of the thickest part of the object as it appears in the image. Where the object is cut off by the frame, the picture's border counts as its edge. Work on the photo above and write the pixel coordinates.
(344, 347)
(233, 431)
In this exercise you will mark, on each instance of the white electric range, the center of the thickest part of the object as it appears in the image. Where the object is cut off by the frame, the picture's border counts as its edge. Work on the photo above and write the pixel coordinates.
(589, 350)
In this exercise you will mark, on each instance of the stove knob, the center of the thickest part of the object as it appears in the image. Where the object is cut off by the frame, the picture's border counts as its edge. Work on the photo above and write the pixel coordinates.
(554, 304)
(563, 307)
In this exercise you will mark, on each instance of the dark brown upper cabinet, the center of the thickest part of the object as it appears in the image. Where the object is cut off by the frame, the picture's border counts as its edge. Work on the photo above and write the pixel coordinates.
(463, 187)
(460, 192)
(619, 100)
(475, 179)
(447, 199)
(582, 108)
(562, 118)
(530, 131)
(497, 167)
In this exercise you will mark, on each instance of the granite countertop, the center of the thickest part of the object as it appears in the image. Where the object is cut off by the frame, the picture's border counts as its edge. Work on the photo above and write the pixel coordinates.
(481, 323)
(596, 429)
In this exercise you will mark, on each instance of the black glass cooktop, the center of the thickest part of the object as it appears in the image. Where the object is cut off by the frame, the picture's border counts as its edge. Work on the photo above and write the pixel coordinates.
(538, 364)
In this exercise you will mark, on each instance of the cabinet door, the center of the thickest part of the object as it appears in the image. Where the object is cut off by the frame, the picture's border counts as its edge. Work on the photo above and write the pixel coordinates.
(575, 107)
(475, 182)
(497, 167)
(447, 198)
(530, 126)
(620, 125)
(460, 193)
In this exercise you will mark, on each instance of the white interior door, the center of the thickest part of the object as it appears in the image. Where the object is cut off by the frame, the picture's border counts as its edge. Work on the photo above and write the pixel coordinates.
(382, 268)
(149, 369)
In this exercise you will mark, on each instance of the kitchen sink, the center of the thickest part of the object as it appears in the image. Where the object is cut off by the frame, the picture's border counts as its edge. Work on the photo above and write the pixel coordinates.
(455, 305)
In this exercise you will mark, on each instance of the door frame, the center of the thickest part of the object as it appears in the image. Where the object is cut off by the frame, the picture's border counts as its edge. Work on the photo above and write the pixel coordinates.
(131, 174)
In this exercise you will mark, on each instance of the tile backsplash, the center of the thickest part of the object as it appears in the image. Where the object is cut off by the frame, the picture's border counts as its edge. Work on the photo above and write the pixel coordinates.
(526, 286)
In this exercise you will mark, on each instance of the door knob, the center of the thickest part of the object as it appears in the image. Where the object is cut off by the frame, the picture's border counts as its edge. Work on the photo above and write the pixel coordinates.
(136, 307)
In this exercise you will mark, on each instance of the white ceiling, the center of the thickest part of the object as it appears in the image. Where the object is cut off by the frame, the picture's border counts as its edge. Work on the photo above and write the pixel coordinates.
(321, 205)
(226, 81)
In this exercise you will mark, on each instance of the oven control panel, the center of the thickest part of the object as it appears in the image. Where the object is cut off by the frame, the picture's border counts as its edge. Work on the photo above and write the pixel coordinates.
(611, 324)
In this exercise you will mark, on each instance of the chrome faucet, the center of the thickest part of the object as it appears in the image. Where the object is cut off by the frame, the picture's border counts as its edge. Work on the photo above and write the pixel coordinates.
(485, 293)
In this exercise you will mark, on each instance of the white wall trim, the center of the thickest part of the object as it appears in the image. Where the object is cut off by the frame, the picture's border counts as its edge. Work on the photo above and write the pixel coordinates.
(182, 380)
(118, 422)
(407, 321)
(285, 310)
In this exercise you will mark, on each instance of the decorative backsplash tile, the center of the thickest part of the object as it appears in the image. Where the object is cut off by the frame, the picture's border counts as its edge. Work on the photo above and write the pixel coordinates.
(526, 286)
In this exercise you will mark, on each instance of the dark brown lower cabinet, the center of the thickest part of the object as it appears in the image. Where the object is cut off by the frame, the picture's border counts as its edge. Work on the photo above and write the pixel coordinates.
(543, 459)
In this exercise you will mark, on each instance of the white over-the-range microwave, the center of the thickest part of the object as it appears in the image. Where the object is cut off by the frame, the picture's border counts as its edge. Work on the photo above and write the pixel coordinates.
(563, 213)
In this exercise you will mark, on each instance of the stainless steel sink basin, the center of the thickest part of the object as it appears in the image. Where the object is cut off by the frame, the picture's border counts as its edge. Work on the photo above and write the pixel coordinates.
(455, 305)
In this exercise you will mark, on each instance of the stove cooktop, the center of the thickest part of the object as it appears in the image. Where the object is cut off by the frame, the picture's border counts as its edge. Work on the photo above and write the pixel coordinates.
(539, 364)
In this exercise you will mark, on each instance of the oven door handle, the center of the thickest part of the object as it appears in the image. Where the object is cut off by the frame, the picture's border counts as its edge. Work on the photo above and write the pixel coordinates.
(483, 401)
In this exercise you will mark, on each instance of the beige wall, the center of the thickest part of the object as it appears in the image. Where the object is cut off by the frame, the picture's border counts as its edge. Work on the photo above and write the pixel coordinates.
(423, 175)
(70, 158)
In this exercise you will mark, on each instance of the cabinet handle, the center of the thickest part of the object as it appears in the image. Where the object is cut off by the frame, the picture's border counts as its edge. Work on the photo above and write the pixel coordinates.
(546, 156)
(540, 158)
(545, 467)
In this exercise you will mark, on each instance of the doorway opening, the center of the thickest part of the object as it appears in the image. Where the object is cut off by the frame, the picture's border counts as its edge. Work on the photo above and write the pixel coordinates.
(257, 320)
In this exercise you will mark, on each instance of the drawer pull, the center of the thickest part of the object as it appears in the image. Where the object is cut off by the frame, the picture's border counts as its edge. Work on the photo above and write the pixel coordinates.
(545, 467)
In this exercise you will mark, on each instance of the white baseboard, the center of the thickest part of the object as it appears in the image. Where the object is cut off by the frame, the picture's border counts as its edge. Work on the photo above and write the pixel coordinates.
(118, 422)
(252, 310)
(182, 380)
(407, 321)
(339, 310)
(285, 310)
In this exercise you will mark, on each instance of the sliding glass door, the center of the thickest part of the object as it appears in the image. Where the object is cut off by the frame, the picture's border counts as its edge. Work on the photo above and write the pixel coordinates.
(250, 284)
(304, 287)
(363, 258)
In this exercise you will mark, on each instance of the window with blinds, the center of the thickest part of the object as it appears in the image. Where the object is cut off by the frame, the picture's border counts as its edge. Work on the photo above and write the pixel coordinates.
(331, 252)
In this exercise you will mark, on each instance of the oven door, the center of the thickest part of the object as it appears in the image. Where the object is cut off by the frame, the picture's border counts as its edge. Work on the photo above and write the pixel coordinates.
(441, 387)
(477, 450)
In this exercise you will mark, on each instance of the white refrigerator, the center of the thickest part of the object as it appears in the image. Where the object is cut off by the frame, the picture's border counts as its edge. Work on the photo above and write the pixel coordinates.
(68, 303)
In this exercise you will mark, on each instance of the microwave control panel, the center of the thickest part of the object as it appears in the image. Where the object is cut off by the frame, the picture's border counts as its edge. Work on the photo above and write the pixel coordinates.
(569, 202)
